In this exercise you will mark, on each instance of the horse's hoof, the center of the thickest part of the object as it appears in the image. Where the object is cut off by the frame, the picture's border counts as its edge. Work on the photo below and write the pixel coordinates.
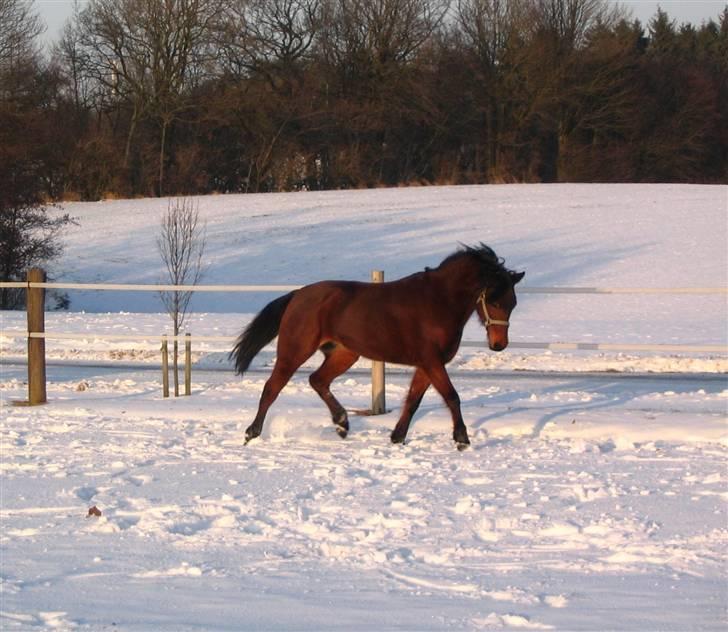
(462, 446)
(397, 439)
(461, 439)
(341, 421)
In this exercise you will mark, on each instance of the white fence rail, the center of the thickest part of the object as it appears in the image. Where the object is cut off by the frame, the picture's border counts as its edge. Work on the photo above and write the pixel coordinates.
(139, 287)
(550, 346)
(37, 335)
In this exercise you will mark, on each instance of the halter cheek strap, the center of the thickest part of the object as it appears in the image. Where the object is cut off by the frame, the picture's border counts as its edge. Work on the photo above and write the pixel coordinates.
(488, 320)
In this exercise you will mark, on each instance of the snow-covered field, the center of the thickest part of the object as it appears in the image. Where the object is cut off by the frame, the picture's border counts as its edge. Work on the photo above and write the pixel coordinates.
(587, 501)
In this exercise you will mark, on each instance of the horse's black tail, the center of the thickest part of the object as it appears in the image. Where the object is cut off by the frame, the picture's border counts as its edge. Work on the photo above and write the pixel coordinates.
(263, 328)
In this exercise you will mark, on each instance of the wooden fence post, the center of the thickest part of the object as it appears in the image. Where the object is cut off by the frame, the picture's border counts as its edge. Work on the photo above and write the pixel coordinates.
(165, 367)
(379, 406)
(188, 365)
(35, 305)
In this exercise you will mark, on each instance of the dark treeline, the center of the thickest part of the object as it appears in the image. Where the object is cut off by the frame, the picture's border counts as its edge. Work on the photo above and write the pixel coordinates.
(164, 97)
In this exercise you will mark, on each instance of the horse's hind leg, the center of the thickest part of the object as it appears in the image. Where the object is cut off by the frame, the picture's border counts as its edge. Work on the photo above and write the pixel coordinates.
(420, 383)
(338, 360)
(292, 353)
(282, 372)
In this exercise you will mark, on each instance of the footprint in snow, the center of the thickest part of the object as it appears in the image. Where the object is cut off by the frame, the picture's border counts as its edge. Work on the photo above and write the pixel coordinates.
(86, 493)
(191, 527)
(138, 480)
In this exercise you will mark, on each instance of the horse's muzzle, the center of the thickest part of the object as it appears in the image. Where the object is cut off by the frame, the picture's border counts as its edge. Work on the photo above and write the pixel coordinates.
(497, 338)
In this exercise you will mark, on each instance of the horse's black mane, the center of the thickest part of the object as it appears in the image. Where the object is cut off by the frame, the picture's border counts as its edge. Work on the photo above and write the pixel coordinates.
(491, 264)
(491, 267)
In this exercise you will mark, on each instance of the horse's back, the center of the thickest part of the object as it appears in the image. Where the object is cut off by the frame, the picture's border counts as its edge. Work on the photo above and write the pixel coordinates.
(341, 297)
(376, 320)
(328, 300)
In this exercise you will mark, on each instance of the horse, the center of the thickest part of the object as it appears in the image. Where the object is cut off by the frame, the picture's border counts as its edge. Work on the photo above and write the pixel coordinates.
(417, 320)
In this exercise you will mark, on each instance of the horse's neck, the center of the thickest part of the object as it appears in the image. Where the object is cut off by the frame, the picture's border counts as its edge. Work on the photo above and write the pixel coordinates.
(459, 284)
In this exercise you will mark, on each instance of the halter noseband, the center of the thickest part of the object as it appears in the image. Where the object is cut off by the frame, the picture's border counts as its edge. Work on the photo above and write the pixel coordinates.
(488, 320)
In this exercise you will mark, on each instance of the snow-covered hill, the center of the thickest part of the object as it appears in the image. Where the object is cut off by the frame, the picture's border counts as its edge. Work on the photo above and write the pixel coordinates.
(571, 235)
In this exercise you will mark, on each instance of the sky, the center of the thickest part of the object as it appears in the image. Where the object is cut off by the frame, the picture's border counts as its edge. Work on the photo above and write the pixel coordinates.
(56, 12)
(695, 11)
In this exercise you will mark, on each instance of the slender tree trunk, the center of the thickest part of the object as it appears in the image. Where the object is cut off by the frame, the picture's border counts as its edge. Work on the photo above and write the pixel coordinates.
(162, 143)
(132, 129)
(176, 355)
(561, 161)
(493, 139)
(176, 367)
(488, 170)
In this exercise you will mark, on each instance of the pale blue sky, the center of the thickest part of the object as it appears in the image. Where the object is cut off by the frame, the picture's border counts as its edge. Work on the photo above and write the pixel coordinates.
(695, 11)
(55, 12)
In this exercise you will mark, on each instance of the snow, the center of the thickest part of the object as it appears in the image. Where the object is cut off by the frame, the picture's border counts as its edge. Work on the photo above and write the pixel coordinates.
(593, 496)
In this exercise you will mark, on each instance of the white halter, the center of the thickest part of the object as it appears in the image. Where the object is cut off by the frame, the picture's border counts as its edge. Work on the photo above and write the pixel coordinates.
(488, 320)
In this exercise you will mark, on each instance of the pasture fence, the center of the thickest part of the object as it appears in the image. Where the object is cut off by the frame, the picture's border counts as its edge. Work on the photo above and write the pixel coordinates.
(36, 285)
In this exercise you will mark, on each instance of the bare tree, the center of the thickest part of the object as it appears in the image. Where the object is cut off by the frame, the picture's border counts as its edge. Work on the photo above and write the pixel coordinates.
(75, 61)
(265, 53)
(557, 35)
(181, 244)
(20, 27)
(491, 32)
(372, 54)
(372, 37)
(268, 36)
(148, 54)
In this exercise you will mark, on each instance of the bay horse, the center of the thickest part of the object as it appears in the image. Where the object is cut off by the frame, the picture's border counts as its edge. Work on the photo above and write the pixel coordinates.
(417, 321)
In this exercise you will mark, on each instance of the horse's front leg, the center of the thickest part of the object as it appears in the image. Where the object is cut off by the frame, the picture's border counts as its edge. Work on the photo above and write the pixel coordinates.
(441, 381)
(420, 383)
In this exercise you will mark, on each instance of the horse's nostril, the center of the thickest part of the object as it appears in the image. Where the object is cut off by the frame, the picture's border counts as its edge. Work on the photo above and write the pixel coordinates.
(497, 346)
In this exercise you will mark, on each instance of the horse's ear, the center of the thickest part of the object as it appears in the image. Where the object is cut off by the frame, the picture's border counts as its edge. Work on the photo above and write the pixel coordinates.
(517, 276)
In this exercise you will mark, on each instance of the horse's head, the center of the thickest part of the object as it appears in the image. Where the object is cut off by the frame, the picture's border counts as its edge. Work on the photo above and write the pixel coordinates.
(494, 308)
